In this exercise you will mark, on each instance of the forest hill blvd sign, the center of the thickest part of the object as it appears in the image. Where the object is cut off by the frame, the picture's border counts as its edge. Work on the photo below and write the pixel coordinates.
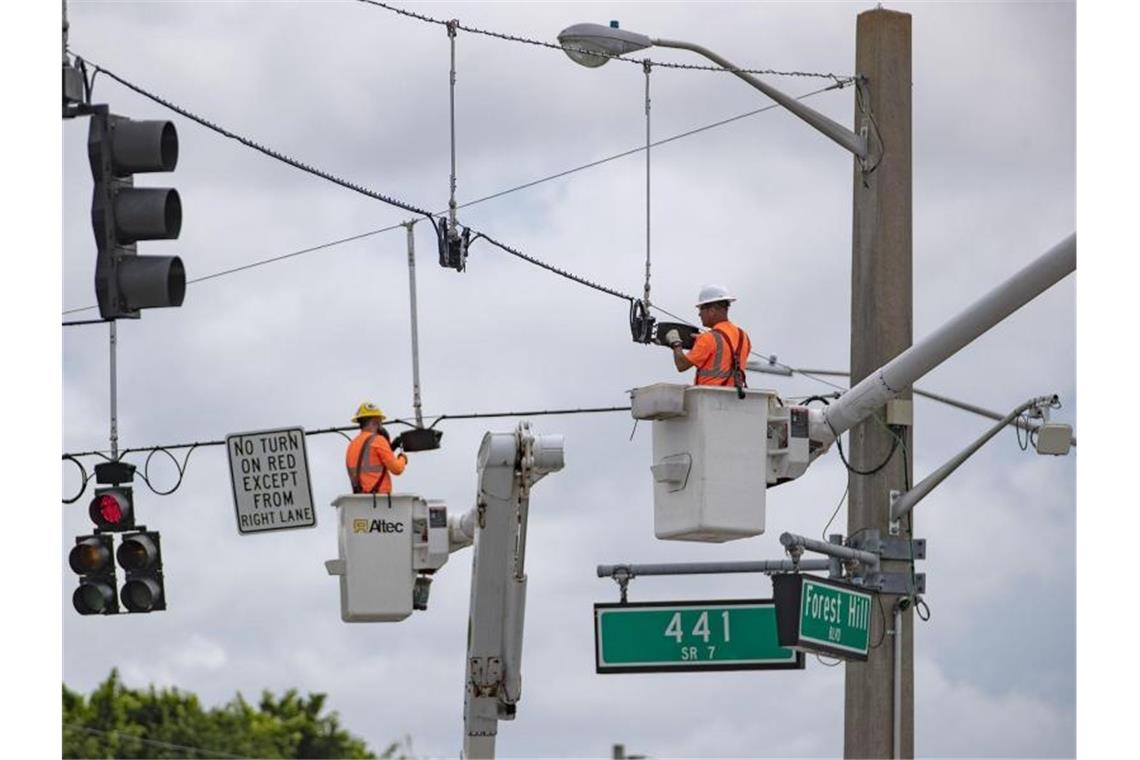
(269, 472)
(822, 615)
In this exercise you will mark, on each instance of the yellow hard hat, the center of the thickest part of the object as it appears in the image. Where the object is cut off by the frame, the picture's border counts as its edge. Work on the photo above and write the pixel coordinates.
(367, 409)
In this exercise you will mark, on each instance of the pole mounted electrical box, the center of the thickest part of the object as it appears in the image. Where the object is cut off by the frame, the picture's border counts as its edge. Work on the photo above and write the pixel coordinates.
(385, 542)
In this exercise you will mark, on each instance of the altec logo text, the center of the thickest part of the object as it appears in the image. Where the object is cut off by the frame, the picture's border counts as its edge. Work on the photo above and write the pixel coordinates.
(376, 526)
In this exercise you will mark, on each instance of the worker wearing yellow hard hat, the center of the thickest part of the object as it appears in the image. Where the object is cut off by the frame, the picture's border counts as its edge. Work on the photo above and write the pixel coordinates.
(719, 354)
(369, 459)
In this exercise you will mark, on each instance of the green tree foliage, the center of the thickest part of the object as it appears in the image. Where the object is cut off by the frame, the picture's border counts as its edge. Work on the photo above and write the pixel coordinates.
(116, 721)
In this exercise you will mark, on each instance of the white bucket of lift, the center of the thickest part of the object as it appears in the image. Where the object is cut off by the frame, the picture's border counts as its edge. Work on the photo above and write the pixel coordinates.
(374, 538)
(709, 460)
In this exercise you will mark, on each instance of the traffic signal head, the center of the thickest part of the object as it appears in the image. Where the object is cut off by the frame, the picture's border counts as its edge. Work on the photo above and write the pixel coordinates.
(112, 509)
(122, 214)
(140, 555)
(91, 559)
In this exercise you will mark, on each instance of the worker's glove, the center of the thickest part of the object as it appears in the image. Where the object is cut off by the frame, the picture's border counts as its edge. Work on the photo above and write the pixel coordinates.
(398, 442)
(673, 338)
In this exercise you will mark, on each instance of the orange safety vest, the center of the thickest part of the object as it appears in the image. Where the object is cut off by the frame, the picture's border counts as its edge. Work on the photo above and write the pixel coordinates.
(727, 362)
(369, 459)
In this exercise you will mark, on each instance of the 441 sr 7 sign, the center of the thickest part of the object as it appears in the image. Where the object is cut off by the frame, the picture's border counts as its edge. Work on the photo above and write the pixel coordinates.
(657, 637)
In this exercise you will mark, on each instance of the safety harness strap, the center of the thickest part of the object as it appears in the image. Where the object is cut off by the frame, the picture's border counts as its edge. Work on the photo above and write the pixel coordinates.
(361, 467)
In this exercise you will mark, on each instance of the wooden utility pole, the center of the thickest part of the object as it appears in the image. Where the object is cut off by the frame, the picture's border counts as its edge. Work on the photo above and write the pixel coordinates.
(881, 328)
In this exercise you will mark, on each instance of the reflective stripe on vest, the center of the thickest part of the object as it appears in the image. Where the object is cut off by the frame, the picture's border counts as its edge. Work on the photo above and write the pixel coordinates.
(364, 466)
(716, 372)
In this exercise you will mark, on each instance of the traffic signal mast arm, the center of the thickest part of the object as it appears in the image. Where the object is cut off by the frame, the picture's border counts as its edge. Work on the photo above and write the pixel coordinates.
(869, 395)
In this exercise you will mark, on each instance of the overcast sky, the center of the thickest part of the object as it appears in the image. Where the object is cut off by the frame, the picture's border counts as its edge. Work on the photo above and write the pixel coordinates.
(762, 204)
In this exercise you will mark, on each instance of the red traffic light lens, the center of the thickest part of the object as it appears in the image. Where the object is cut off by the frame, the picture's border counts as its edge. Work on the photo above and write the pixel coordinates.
(109, 509)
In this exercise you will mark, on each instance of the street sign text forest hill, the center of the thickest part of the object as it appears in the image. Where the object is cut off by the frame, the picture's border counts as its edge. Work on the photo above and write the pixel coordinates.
(821, 615)
(269, 471)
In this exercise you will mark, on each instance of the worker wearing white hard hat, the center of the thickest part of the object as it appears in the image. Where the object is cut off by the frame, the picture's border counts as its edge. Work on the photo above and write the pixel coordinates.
(720, 353)
(369, 459)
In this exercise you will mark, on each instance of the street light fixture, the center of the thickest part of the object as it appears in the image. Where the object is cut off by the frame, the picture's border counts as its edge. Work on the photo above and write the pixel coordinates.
(592, 45)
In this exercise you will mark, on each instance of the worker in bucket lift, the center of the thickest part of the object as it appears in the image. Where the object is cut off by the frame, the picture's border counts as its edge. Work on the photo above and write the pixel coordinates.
(719, 354)
(369, 459)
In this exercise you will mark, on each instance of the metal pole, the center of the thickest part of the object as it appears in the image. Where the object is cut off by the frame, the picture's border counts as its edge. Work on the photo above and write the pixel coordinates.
(832, 550)
(905, 503)
(648, 67)
(879, 383)
(896, 741)
(709, 568)
(853, 142)
(415, 331)
(881, 328)
(451, 27)
(114, 396)
(963, 405)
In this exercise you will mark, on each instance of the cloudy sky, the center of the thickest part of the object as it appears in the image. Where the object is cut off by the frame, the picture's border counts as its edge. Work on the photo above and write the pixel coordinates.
(762, 204)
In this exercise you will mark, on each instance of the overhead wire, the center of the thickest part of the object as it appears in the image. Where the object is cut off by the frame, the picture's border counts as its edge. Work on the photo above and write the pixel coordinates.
(151, 450)
(262, 149)
(203, 751)
(495, 195)
(611, 56)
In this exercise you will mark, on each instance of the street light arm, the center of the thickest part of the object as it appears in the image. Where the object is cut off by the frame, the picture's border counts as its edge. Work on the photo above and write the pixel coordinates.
(906, 502)
(854, 143)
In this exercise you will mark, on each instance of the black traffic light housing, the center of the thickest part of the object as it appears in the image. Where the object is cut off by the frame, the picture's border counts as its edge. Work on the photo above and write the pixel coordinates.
(122, 214)
(140, 556)
(452, 245)
(92, 558)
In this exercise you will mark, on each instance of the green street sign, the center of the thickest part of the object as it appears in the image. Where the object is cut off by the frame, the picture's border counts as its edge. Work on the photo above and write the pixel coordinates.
(664, 637)
(822, 615)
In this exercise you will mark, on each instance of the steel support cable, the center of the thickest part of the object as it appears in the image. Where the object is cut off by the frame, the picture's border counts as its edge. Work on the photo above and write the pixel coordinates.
(262, 149)
(556, 270)
(82, 473)
(611, 56)
(350, 428)
(524, 186)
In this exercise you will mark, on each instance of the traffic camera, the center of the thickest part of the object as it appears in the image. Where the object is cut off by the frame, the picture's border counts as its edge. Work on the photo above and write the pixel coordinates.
(122, 214)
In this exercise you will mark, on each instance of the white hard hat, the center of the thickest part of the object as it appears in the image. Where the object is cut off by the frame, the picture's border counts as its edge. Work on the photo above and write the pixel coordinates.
(714, 293)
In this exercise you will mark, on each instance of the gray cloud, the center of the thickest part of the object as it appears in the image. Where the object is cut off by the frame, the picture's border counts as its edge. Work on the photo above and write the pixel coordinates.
(762, 204)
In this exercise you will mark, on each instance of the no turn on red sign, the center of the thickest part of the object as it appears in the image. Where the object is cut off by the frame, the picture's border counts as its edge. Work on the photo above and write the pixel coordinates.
(269, 471)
